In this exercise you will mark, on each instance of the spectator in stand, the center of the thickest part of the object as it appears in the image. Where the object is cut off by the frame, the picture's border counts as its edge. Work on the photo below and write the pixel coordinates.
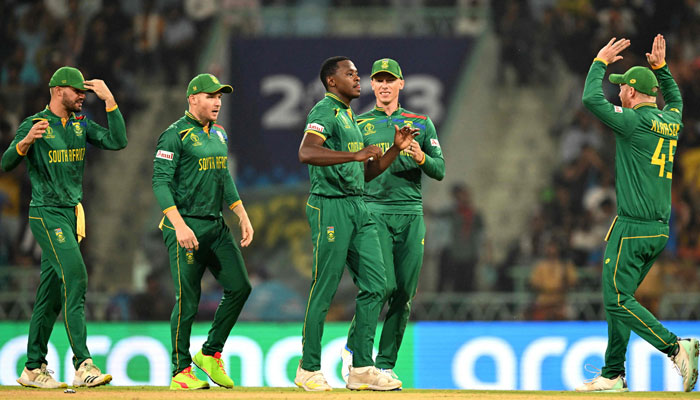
(551, 279)
(460, 258)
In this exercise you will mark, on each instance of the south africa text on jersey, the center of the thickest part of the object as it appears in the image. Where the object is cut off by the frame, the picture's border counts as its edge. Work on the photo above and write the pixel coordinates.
(66, 155)
(218, 162)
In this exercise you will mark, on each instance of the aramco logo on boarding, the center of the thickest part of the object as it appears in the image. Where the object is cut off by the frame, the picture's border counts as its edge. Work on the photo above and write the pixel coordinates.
(503, 356)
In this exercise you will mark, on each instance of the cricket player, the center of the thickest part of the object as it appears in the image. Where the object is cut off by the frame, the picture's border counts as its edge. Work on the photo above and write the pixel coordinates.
(342, 230)
(53, 142)
(646, 140)
(190, 182)
(395, 202)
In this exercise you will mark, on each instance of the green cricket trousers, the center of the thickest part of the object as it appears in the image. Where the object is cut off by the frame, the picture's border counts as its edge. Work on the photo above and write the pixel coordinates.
(401, 237)
(343, 232)
(62, 284)
(633, 246)
(221, 255)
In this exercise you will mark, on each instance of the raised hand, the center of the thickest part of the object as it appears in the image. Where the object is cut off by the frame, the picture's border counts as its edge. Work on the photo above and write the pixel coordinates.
(657, 57)
(404, 136)
(610, 52)
(101, 90)
(36, 132)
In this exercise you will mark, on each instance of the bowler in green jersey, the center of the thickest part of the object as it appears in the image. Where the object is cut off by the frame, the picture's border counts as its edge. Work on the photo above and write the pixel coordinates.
(395, 202)
(190, 181)
(342, 230)
(53, 142)
(645, 139)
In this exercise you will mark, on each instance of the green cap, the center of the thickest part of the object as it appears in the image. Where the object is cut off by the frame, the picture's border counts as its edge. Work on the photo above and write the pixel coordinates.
(207, 83)
(68, 76)
(387, 65)
(640, 78)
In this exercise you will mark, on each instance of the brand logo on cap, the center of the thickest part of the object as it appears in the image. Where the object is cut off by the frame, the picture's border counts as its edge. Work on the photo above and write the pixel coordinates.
(64, 81)
(194, 87)
(213, 79)
(633, 80)
(385, 63)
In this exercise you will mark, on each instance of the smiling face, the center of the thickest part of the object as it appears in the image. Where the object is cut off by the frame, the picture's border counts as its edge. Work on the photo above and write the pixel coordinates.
(205, 106)
(71, 98)
(345, 81)
(386, 88)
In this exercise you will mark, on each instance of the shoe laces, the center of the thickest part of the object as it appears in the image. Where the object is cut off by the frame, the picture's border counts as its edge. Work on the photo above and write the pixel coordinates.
(679, 369)
(593, 370)
(217, 357)
(46, 374)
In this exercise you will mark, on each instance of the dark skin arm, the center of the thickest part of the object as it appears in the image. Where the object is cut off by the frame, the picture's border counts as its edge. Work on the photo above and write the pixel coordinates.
(402, 139)
(311, 151)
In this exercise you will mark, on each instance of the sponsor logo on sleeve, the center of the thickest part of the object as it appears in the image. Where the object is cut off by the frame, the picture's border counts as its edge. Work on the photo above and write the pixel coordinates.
(165, 155)
(435, 142)
(618, 109)
(315, 127)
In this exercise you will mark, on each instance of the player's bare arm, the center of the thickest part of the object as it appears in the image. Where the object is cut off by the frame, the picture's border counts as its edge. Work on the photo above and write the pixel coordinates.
(311, 151)
(185, 236)
(102, 91)
(657, 57)
(35, 133)
(244, 223)
(610, 53)
(402, 139)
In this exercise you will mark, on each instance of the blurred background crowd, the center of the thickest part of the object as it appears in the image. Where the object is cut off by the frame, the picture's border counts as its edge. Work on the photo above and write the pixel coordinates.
(549, 271)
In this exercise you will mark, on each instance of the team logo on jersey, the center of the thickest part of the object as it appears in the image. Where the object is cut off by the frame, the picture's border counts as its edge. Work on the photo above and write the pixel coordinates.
(165, 155)
(59, 235)
(369, 129)
(195, 140)
(189, 256)
(618, 109)
(330, 232)
(77, 129)
(434, 142)
(48, 134)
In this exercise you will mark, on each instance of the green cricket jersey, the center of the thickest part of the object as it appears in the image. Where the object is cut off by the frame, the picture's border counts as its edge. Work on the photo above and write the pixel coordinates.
(646, 140)
(56, 161)
(398, 189)
(336, 123)
(190, 169)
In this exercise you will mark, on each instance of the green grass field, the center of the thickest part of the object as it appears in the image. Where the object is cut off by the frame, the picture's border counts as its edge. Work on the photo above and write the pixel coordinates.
(160, 392)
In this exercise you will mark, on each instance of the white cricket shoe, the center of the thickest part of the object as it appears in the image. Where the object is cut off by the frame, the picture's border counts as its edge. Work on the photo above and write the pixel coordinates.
(686, 362)
(346, 356)
(89, 375)
(370, 378)
(601, 384)
(388, 371)
(40, 378)
(311, 381)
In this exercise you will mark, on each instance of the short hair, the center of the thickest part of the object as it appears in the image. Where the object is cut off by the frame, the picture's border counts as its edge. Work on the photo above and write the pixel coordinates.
(329, 67)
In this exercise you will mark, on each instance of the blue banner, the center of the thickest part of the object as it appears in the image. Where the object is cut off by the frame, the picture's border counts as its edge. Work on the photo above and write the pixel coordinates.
(276, 82)
(434, 355)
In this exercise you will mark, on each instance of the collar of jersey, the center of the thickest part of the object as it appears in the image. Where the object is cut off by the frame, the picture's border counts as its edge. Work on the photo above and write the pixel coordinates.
(645, 104)
(50, 113)
(190, 117)
(337, 99)
(380, 110)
